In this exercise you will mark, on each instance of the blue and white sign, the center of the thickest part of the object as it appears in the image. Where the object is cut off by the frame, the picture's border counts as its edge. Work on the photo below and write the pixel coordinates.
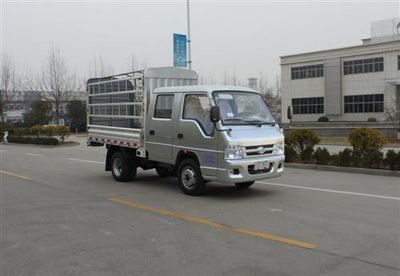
(180, 52)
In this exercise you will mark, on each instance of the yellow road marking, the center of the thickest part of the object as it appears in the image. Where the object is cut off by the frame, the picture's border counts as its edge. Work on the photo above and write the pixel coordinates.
(245, 231)
(15, 175)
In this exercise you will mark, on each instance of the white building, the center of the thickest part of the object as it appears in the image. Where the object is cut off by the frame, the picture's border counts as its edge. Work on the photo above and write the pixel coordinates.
(345, 84)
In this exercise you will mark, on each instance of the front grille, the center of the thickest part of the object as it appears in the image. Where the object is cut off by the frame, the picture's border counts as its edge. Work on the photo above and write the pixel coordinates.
(256, 150)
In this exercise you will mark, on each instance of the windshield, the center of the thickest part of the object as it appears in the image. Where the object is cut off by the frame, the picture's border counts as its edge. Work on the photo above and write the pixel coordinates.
(242, 108)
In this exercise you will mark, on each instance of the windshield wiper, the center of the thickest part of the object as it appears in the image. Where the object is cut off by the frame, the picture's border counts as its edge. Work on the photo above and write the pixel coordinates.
(260, 122)
(234, 119)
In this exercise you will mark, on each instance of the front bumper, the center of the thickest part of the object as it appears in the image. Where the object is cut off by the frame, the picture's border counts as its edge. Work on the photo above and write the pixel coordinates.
(243, 170)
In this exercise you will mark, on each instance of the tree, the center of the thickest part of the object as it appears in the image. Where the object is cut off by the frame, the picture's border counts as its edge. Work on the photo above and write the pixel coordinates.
(98, 68)
(393, 113)
(40, 113)
(8, 84)
(57, 82)
(77, 115)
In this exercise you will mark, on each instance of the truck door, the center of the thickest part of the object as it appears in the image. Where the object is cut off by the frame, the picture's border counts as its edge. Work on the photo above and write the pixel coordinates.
(160, 128)
(195, 131)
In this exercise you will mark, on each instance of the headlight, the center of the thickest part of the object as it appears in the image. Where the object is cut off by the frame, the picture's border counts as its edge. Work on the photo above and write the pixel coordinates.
(233, 152)
(279, 148)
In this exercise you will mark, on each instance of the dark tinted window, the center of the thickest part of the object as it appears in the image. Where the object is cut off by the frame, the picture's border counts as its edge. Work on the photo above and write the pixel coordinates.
(360, 66)
(164, 105)
(313, 105)
(363, 103)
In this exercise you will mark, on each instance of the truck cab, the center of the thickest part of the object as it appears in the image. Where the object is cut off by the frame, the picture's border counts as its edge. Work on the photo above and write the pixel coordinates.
(240, 144)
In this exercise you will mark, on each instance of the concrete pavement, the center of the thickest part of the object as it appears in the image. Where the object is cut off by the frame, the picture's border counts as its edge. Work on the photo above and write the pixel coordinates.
(59, 216)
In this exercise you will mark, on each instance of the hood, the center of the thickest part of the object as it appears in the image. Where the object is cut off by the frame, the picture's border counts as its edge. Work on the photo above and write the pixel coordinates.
(253, 135)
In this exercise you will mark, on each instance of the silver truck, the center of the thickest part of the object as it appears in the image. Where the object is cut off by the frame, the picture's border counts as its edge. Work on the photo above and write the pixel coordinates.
(161, 119)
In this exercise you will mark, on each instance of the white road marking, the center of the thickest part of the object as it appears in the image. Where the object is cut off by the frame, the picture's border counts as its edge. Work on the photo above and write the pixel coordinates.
(33, 154)
(329, 190)
(2, 150)
(86, 161)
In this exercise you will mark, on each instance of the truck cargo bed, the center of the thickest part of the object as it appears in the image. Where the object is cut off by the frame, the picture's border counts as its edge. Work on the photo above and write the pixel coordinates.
(117, 105)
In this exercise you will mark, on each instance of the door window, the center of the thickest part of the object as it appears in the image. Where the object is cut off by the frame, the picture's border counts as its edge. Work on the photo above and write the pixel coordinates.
(164, 105)
(197, 107)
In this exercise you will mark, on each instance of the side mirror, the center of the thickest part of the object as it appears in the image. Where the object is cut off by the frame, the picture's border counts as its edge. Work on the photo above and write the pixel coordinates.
(289, 113)
(214, 114)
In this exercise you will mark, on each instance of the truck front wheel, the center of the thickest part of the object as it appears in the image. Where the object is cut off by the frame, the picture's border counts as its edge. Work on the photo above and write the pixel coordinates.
(190, 179)
(121, 167)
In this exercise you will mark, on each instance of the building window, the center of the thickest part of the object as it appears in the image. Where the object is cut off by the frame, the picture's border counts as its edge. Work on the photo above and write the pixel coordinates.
(308, 105)
(360, 66)
(164, 106)
(363, 103)
(307, 72)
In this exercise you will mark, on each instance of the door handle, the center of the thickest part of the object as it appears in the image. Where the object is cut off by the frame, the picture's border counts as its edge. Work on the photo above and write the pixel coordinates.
(180, 135)
(152, 132)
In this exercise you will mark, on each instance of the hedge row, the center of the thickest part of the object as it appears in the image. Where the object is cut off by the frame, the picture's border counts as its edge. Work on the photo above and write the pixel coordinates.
(39, 131)
(33, 140)
(366, 153)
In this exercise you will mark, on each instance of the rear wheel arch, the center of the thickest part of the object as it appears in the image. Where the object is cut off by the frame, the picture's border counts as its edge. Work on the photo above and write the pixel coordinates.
(130, 153)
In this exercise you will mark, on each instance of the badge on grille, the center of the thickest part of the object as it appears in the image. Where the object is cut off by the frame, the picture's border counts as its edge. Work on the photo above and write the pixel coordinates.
(261, 150)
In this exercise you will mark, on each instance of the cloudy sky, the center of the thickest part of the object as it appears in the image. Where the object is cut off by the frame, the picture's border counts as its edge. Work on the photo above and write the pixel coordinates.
(245, 37)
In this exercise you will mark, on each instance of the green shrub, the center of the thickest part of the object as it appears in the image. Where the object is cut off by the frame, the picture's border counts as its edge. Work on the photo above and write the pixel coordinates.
(343, 159)
(50, 131)
(290, 155)
(372, 119)
(62, 132)
(307, 155)
(37, 130)
(334, 160)
(322, 156)
(323, 119)
(21, 131)
(367, 143)
(392, 160)
(302, 142)
(32, 140)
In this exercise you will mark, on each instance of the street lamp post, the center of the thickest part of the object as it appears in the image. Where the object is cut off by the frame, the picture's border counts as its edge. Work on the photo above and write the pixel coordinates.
(188, 37)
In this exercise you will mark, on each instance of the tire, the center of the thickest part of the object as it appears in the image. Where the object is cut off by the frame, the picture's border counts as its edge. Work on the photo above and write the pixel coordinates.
(164, 172)
(190, 179)
(244, 185)
(121, 167)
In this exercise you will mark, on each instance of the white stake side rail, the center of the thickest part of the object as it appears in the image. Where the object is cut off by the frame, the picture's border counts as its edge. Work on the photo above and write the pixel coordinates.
(110, 111)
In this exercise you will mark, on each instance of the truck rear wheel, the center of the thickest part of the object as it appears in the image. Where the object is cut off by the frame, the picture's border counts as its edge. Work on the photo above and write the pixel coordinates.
(244, 185)
(190, 179)
(121, 167)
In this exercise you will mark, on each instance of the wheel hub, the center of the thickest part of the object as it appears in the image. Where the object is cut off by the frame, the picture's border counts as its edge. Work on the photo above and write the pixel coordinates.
(188, 178)
(117, 167)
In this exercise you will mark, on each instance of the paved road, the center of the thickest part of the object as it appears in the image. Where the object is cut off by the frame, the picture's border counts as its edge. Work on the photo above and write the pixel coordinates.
(61, 214)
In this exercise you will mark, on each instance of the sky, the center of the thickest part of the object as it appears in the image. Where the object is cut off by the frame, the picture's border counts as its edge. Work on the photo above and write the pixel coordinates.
(229, 38)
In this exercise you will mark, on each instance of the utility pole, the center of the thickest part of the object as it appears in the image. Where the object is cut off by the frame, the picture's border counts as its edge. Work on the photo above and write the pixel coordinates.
(188, 37)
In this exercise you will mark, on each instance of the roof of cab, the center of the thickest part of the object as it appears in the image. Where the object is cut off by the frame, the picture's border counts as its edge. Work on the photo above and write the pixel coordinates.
(202, 88)
(170, 72)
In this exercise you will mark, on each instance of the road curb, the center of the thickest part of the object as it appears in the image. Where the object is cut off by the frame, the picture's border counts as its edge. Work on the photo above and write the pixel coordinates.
(343, 169)
(43, 146)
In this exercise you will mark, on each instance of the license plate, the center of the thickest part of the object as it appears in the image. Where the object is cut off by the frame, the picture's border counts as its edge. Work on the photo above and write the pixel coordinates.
(261, 166)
